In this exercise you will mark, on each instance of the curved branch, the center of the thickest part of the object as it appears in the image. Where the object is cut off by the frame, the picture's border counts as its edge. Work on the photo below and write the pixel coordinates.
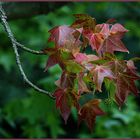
(28, 49)
(14, 45)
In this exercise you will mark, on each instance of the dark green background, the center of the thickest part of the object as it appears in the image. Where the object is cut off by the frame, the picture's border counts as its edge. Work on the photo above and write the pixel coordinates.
(26, 113)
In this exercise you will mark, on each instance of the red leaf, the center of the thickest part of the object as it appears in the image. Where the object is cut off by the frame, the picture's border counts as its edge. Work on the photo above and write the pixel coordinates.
(125, 85)
(64, 101)
(95, 39)
(89, 111)
(61, 103)
(111, 44)
(131, 66)
(84, 59)
(80, 57)
(99, 73)
(52, 60)
(121, 92)
(63, 36)
(105, 39)
(112, 37)
(118, 29)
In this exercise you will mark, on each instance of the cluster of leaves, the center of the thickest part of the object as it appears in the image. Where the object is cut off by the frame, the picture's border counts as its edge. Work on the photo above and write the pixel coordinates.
(85, 73)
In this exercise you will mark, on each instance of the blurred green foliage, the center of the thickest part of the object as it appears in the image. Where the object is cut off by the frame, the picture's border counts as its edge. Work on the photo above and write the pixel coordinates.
(26, 113)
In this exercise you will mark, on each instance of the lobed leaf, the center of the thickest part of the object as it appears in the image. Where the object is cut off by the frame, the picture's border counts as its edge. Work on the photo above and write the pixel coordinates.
(89, 111)
(99, 73)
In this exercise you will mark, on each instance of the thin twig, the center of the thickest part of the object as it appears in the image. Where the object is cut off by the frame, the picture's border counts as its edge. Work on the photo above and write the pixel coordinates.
(14, 45)
(28, 49)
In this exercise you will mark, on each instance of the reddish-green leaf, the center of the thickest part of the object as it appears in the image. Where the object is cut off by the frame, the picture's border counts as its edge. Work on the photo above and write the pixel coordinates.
(82, 87)
(99, 73)
(66, 80)
(85, 21)
(126, 76)
(66, 55)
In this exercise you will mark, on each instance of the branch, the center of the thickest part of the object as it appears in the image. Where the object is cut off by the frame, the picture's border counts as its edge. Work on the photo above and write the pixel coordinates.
(28, 49)
(14, 45)
(21, 10)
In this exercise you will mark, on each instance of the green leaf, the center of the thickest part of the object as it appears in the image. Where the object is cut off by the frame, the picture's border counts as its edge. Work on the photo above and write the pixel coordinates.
(111, 88)
(73, 67)
(100, 61)
(109, 56)
(65, 55)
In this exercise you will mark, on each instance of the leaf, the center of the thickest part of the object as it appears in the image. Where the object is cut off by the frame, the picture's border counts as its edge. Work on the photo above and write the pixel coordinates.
(111, 44)
(130, 65)
(52, 60)
(109, 56)
(57, 56)
(117, 66)
(73, 67)
(82, 87)
(99, 73)
(88, 63)
(121, 92)
(89, 111)
(86, 60)
(105, 39)
(118, 29)
(85, 21)
(64, 101)
(125, 73)
(95, 39)
(100, 61)
(66, 55)
(61, 103)
(63, 36)
(111, 88)
(125, 85)
(112, 41)
(80, 57)
(66, 80)
(92, 57)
